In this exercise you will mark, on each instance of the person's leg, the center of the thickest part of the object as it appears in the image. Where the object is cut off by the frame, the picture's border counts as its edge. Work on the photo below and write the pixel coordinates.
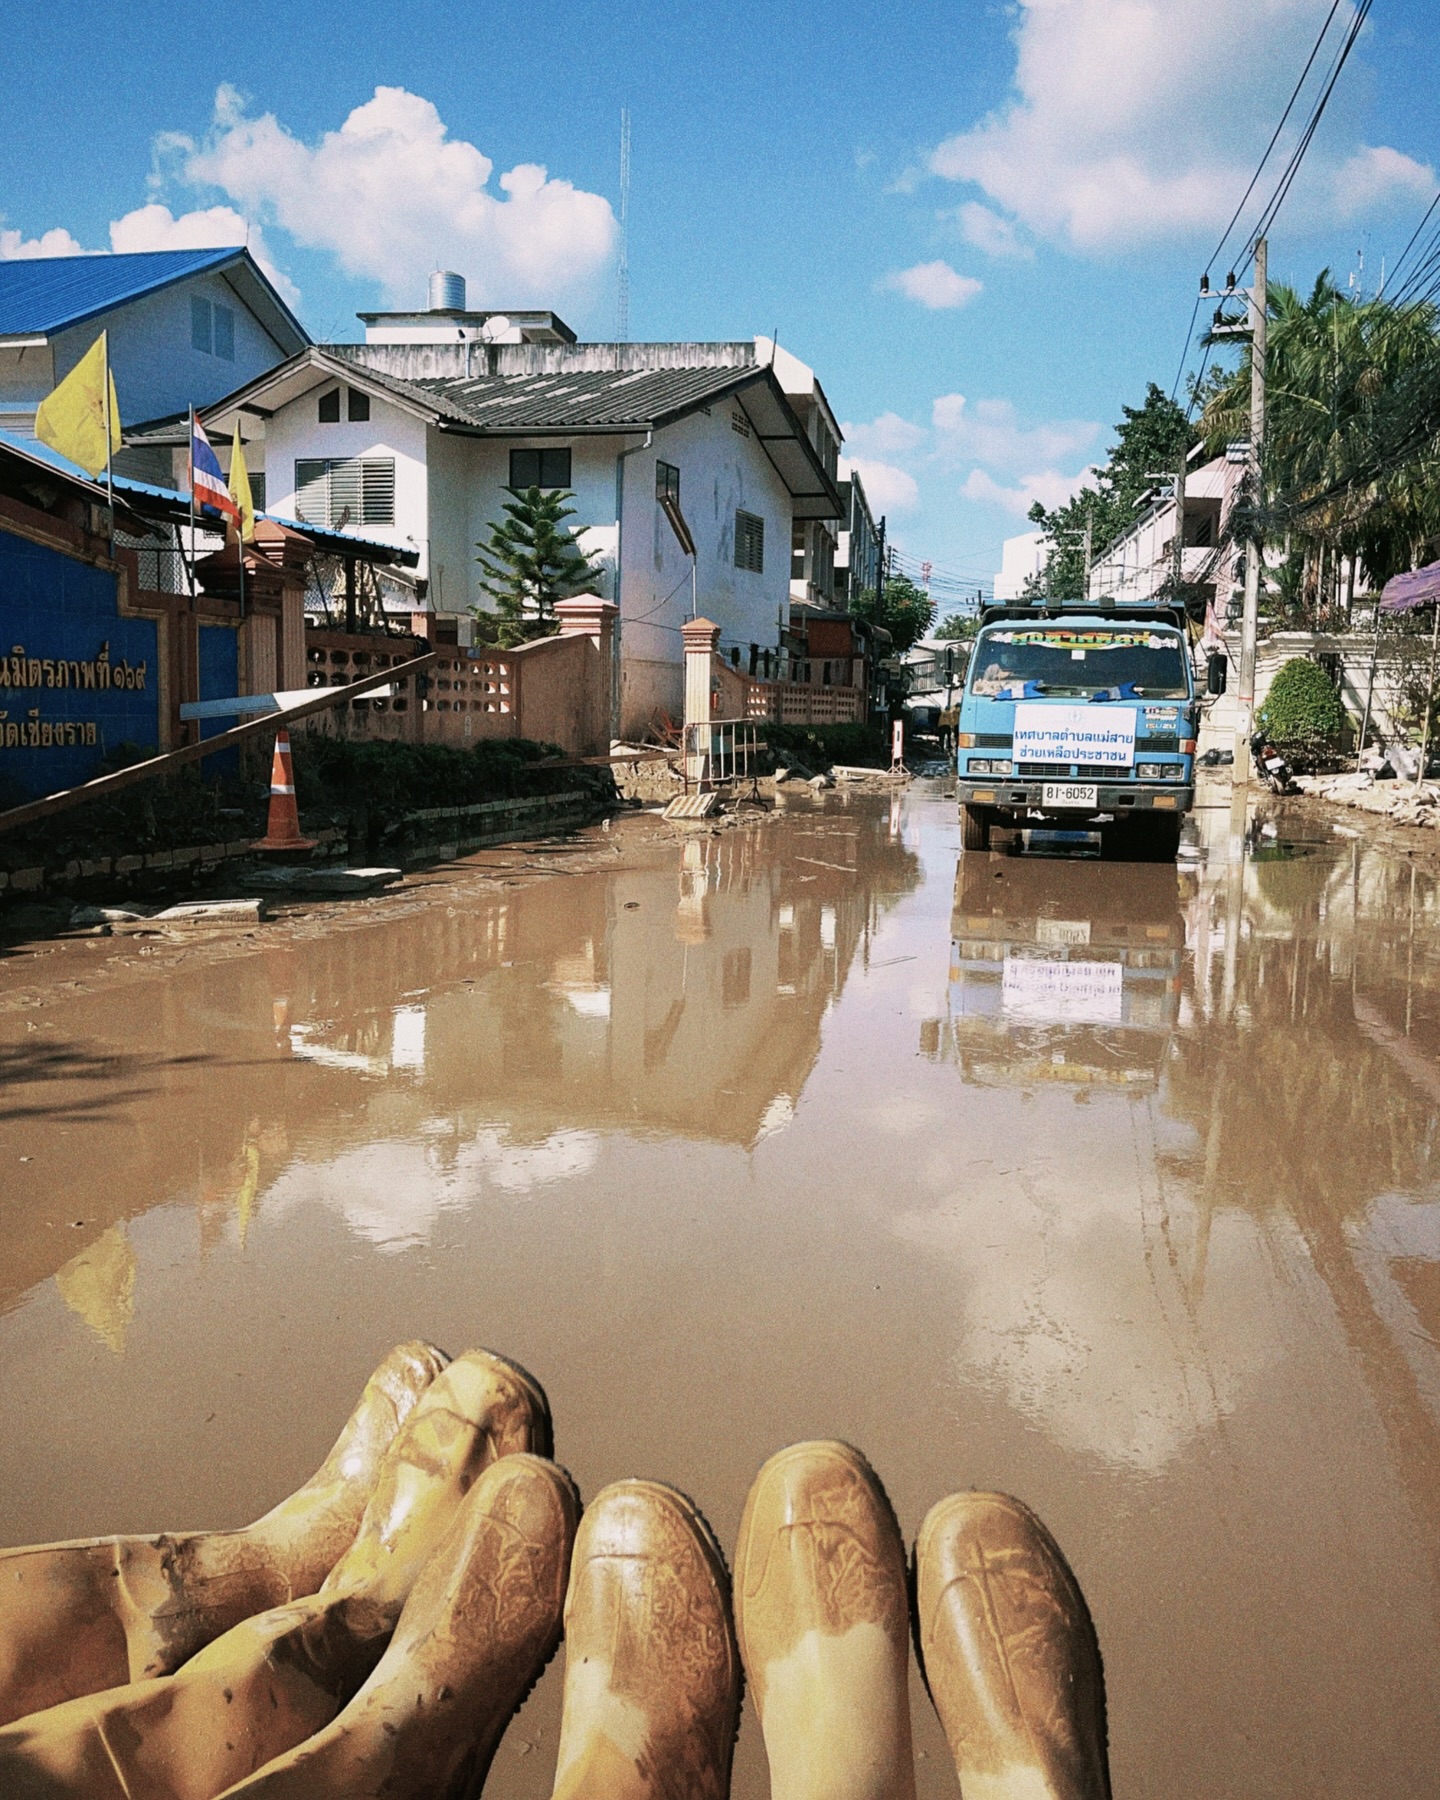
(652, 1678)
(80, 1617)
(481, 1622)
(822, 1619)
(1009, 1653)
(274, 1680)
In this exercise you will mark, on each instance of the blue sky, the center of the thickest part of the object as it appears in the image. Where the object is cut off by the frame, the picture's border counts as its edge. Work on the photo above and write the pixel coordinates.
(981, 224)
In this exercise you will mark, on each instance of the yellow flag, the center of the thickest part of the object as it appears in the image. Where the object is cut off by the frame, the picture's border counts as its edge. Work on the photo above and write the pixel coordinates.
(72, 419)
(240, 489)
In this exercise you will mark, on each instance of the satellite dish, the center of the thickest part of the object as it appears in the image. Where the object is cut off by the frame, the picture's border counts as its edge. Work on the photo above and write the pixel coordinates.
(494, 328)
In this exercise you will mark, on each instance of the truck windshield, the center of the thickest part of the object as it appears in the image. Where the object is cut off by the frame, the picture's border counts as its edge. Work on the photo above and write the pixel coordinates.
(1018, 662)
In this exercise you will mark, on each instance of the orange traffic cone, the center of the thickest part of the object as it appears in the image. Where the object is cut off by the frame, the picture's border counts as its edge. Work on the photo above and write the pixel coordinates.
(282, 831)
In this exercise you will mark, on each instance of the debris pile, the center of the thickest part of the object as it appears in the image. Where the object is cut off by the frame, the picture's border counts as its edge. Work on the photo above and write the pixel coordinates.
(1402, 802)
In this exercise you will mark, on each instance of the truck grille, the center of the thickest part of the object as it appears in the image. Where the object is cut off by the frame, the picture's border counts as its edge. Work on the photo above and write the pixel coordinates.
(1038, 769)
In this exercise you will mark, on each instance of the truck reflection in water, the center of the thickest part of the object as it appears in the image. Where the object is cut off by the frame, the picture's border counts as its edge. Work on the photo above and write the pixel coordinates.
(1064, 971)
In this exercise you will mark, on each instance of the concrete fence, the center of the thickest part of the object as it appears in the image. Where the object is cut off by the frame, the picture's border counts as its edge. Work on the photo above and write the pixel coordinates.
(735, 695)
(1359, 673)
(554, 690)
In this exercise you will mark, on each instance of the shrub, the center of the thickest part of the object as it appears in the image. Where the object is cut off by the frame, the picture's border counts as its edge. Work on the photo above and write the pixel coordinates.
(1302, 714)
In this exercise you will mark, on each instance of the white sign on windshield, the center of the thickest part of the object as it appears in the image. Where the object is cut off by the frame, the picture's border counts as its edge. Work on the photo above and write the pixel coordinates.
(1094, 734)
(1071, 993)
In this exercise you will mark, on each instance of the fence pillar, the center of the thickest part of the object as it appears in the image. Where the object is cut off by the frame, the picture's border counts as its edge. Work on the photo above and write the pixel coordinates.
(587, 615)
(701, 638)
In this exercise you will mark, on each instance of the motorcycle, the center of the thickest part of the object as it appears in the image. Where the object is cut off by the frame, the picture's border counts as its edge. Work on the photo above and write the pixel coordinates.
(1271, 766)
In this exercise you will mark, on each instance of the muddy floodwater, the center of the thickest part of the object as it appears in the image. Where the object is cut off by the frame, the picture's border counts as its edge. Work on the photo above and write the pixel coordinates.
(1114, 1186)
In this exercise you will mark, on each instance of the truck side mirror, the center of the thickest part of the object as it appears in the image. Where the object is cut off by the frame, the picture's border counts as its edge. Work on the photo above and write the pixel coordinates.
(1217, 669)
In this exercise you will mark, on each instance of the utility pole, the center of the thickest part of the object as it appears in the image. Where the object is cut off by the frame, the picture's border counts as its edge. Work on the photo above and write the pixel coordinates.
(622, 266)
(1089, 548)
(1178, 547)
(1249, 626)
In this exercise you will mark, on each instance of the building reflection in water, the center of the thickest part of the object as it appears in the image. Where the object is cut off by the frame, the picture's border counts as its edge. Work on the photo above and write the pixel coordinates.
(487, 1037)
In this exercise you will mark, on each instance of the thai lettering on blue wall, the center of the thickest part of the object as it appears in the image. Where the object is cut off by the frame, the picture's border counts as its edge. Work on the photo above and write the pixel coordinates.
(76, 680)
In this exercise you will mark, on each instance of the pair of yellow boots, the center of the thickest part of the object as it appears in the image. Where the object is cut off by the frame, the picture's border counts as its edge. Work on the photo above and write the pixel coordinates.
(375, 1633)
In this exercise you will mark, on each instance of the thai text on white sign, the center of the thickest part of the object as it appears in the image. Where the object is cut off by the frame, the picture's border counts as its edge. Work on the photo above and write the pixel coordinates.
(1098, 735)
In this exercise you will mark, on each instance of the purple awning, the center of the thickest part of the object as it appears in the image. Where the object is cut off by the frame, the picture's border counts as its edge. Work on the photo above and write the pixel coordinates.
(1416, 587)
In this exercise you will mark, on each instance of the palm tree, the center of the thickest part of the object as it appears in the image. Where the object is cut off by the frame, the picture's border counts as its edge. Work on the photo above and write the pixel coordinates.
(1345, 473)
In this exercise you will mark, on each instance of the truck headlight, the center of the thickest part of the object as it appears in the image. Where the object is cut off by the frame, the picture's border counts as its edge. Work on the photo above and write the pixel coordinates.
(987, 765)
(1155, 772)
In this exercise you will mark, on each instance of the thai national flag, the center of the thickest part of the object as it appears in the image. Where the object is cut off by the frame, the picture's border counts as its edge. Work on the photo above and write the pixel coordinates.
(207, 483)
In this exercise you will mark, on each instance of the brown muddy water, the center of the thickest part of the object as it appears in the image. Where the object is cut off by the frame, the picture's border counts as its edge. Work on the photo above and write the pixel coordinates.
(1108, 1185)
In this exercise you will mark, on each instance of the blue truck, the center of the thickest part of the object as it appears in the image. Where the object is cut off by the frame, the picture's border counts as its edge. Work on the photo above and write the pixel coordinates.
(1079, 716)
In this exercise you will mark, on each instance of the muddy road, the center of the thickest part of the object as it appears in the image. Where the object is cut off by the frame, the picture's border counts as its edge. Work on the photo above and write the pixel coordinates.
(1112, 1186)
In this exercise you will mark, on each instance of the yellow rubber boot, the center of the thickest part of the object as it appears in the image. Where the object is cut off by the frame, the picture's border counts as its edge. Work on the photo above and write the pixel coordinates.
(480, 1625)
(652, 1678)
(1009, 1653)
(276, 1679)
(80, 1617)
(822, 1617)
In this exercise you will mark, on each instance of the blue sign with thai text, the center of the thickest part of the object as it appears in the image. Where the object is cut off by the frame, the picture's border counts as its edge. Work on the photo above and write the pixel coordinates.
(76, 679)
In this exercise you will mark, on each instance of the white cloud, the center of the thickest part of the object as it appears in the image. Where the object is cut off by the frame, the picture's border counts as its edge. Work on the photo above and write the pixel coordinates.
(986, 230)
(155, 227)
(1141, 119)
(935, 285)
(1049, 487)
(888, 435)
(392, 195)
(990, 432)
(1373, 174)
(16, 247)
(888, 489)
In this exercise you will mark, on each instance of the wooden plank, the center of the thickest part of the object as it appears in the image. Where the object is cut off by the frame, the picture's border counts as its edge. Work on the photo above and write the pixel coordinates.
(324, 698)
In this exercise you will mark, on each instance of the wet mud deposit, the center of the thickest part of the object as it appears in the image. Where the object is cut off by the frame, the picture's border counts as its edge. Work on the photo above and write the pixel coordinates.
(1109, 1185)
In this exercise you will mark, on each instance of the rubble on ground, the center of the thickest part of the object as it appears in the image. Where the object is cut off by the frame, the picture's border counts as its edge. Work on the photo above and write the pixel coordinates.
(1402, 802)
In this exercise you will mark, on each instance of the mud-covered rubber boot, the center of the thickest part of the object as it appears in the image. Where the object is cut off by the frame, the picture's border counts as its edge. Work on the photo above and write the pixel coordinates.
(79, 1617)
(822, 1615)
(1009, 1653)
(272, 1681)
(482, 1621)
(652, 1677)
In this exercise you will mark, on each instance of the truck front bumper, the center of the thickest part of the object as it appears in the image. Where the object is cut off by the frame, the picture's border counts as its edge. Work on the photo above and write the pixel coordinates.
(1025, 799)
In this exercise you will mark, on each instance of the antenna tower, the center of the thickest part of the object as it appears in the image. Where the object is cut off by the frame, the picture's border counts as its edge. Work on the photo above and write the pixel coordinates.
(622, 271)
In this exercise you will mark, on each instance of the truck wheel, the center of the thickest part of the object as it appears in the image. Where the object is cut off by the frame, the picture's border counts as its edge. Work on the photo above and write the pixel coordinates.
(974, 827)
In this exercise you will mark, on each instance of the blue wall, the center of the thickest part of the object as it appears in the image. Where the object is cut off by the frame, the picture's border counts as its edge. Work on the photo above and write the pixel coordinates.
(76, 680)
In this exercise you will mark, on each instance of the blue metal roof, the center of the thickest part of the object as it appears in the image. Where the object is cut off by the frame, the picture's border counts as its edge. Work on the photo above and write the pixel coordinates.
(45, 294)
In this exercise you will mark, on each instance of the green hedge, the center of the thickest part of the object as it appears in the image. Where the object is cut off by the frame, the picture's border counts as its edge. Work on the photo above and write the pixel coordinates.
(1302, 713)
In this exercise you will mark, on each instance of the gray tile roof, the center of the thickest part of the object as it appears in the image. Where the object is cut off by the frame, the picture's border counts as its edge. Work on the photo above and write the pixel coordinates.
(594, 401)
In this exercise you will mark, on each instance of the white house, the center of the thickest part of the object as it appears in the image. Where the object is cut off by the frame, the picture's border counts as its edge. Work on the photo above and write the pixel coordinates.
(426, 459)
(1141, 564)
(1021, 560)
(185, 327)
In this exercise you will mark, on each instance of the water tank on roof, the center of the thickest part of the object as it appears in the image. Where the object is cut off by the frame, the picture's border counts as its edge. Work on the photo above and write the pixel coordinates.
(447, 291)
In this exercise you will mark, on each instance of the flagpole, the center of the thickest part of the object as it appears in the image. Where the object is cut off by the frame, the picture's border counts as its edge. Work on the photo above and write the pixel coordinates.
(190, 565)
(109, 429)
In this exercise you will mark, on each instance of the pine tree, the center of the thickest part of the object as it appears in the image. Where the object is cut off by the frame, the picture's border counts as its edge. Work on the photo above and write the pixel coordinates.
(530, 560)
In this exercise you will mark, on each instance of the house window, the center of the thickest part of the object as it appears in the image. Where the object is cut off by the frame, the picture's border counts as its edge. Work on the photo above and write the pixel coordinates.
(540, 468)
(224, 332)
(749, 542)
(257, 490)
(667, 482)
(328, 411)
(345, 492)
(357, 407)
(201, 337)
(797, 552)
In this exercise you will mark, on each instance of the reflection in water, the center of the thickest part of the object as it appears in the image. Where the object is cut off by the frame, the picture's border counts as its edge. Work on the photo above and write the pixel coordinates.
(99, 1285)
(1064, 971)
(478, 1045)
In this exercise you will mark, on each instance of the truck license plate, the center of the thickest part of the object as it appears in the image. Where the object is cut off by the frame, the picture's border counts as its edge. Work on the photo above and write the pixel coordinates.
(1069, 793)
